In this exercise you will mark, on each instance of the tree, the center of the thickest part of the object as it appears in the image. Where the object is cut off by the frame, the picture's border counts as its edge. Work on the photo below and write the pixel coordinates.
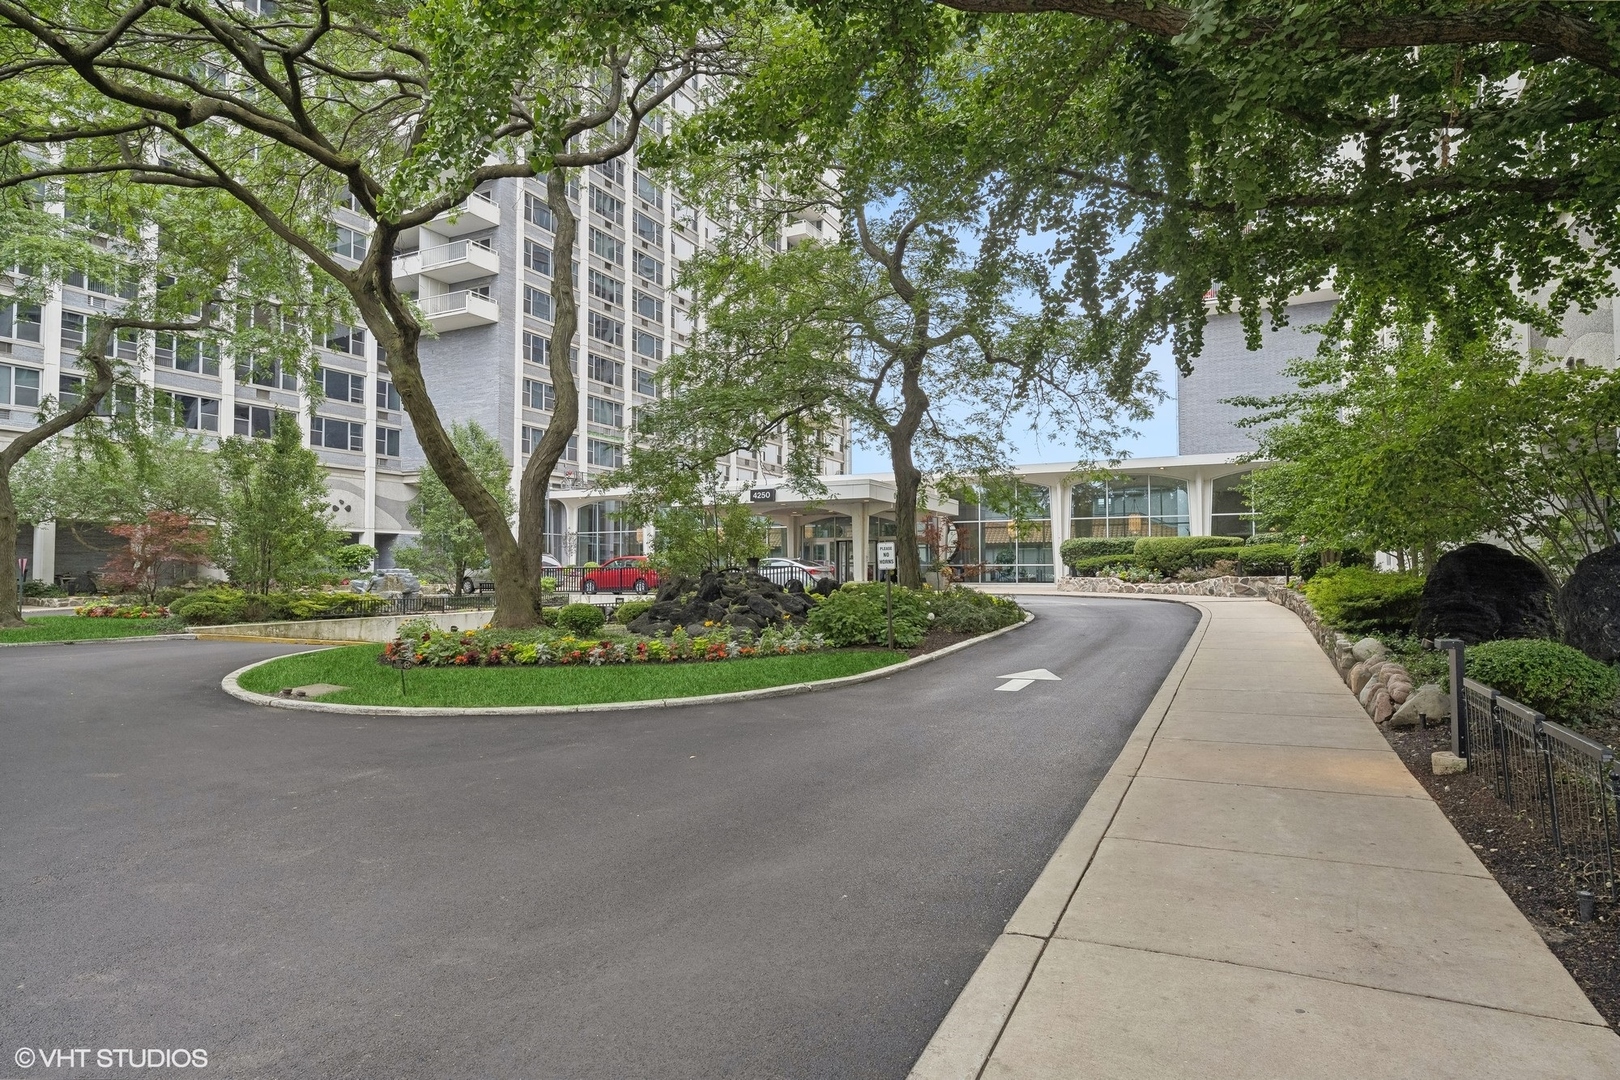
(401, 111)
(119, 475)
(449, 542)
(276, 528)
(718, 531)
(163, 541)
(1417, 444)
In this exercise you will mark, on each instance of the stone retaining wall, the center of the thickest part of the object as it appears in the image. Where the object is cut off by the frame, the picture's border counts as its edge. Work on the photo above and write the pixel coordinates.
(1217, 586)
(373, 628)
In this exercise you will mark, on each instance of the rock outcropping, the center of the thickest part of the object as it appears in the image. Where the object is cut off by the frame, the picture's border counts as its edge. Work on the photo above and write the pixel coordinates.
(1481, 592)
(1592, 606)
(739, 600)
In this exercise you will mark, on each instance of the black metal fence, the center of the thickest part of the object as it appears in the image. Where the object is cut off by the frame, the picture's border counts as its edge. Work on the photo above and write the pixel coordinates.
(1565, 783)
(362, 606)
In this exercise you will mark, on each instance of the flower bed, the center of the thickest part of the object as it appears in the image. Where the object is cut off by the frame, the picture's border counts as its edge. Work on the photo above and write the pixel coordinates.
(122, 611)
(428, 646)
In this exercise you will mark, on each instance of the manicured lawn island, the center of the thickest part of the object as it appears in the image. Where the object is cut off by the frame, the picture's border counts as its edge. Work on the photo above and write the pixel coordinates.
(371, 683)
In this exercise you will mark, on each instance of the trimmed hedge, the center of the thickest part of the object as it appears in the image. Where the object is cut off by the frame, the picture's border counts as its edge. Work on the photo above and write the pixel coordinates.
(1170, 554)
(1270, 538)
(581, 619)
(1359, 600)
(1563, 684)
(1095, 547)
(1098, 563)
(630, 609)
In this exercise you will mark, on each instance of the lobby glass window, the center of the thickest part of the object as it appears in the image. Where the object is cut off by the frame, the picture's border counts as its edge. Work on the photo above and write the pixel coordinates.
(994, 544)
(1123, 506)
(19, 386)
(1230, 512)
(255, 421)
(603, 533)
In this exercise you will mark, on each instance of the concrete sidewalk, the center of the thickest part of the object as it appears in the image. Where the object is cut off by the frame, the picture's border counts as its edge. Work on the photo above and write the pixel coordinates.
(1259, 888)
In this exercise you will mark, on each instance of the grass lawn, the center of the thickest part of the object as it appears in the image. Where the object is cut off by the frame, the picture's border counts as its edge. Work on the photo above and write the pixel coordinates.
(370, 683)
(74, 628)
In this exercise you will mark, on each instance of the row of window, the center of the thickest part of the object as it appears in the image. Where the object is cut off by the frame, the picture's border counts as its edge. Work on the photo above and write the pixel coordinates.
(599, 452)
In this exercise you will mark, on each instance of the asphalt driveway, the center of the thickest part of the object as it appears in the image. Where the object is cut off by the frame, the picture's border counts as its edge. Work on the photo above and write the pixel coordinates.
(794, 887)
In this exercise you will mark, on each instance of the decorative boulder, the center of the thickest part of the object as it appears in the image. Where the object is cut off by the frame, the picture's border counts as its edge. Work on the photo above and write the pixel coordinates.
(1592, 606)
(1427, 700)
(1368, 648)
(1481, 592)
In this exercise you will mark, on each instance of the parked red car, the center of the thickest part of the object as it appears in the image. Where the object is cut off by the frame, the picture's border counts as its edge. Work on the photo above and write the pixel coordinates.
(616, 575)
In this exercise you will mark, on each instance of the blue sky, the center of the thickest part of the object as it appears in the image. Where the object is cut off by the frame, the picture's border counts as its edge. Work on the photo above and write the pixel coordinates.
(1156, 438)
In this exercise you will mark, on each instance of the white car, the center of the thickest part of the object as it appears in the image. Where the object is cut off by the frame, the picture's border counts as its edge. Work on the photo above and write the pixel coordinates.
(783, 571)
(481, 580)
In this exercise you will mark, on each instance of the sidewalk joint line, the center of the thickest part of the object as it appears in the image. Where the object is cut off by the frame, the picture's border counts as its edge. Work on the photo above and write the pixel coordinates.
(1302, 858)
(1279, 787)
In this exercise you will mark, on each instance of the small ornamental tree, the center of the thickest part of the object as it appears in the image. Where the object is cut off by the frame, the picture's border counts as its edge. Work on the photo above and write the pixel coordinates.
(164, 541)
(276, 528)
(720, 531)
(449, 542)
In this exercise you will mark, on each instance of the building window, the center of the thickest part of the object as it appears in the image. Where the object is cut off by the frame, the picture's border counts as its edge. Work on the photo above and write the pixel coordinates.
(536, 303)
(186, 354)
(265, 373)
(255, 421)
(73, 329)
(606, 205)
(343, 386)
(334, 434)
(351, 244)
(604, 534)
(605, 288)
(537, 257)
(347, 339)
(387, 396)
(649, 192)
(606, 329)
(604, 412)
(1122, 506)
(607, 247)
(611, 170)
(19, 386)
(539, 395)
(649, 230)
(191, 413)
(650, 268)
(124, 345)
(649, 345)
(649, 307)
(608, 455)
(21, 321)
(533, 435)
(69, 388)
(536, 348)
(604, 370)
(646, 383)
(388, 442)
(1230, 512)
(997, 540)
(536, 212)
(127, 288)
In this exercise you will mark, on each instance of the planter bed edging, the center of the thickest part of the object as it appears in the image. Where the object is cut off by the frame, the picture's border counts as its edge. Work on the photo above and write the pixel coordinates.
(233, 687)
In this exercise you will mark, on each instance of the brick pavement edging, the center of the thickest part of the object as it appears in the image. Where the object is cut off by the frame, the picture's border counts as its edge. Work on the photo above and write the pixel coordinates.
(232, 686)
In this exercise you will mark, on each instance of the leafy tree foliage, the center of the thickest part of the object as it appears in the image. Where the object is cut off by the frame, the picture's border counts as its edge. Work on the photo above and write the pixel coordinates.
(162, 543)
(87, 475)
(276, 526)
(449, 542)
(717, 531)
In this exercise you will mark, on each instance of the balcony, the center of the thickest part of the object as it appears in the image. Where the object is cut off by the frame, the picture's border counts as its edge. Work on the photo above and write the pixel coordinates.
(464, 260)
(797, 232)
(459, 310)
(478, 213)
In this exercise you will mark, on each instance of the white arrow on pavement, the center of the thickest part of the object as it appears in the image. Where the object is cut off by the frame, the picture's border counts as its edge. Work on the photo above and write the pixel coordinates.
(1020, 679)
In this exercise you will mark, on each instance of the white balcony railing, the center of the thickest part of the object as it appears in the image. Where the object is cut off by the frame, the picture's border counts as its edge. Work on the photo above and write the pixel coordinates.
(459, 310)
(478, 213)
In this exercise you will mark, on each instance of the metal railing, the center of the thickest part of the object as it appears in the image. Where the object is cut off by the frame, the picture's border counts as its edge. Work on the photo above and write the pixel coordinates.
(362, 606)
(449, 253)
(1567, 784)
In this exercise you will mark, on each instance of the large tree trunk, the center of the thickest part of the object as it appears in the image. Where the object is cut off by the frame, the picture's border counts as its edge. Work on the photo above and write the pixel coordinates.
(516, 599)
(10, 600)
(907, 477)
(534, 490)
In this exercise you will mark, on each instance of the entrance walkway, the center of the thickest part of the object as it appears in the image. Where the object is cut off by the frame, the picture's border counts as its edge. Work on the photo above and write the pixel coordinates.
(1261, 889)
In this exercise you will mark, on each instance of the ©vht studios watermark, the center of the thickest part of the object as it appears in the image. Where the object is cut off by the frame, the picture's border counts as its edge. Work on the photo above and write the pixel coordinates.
(90, 1057)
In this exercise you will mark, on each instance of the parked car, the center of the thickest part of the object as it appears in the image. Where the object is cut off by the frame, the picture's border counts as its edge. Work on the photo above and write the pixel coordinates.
(783, 571)
(482, 580)
(616, 575)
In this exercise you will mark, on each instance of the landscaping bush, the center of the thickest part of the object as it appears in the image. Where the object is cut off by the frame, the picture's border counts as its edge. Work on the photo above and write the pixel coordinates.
(1101, 564)
(968, 611)
(122, 611)
(581, 619)
(1168, 554)
(1260, 559)
(854, 615)
(34, 587)
(1359, 600)
(429, 646)
(1308, 558)
(213, 606)
(1562, 683)
(1091, 547)
(629, 610)
(1270, 538)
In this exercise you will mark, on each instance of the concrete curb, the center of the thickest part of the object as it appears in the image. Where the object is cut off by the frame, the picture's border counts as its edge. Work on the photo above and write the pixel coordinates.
(100, 640)
(965, 1038)
(232, 686)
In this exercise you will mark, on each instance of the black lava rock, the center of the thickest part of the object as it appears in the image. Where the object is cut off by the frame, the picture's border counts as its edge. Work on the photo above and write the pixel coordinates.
(1592, 606)
(1481, 592)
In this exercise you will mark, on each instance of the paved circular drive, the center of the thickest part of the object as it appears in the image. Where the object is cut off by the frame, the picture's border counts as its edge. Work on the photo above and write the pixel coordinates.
(788, 887)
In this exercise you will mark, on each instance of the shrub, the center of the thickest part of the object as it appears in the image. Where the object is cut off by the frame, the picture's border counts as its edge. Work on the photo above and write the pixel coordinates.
(968, 611)
(1561, 683)
(1308, 558)
(1091, 547)
(1168, 554)
(629, 610)
(581, 619)
(36, 587)
(1249, 558)
(854, 615)
(213, 606)
(1359, 600)
(1101, 564)
(1270, 538)
(121, 611)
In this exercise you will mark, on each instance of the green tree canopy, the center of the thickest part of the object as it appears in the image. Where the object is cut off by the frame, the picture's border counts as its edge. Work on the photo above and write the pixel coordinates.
(275, 527)
(449, 543)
